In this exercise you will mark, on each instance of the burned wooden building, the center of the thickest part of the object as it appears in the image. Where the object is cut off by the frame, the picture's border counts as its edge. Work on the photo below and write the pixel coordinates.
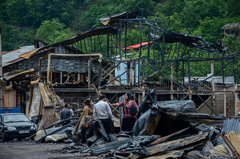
(107, 60)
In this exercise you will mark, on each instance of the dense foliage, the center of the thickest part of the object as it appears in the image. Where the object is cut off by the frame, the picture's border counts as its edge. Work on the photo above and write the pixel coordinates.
(22, 20)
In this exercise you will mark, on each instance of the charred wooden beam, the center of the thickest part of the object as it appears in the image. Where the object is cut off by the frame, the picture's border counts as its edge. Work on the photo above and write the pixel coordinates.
(171, 145)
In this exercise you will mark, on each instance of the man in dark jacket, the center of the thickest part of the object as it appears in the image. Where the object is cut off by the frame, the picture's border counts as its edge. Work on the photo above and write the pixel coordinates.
(65, 114)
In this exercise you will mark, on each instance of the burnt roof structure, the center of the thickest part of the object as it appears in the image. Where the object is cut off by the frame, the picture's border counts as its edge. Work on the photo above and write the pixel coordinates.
(155, 49)
(134, 42)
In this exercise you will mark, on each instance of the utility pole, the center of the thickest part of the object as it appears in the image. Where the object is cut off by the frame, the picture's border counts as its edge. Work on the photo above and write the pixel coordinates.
(1, 74)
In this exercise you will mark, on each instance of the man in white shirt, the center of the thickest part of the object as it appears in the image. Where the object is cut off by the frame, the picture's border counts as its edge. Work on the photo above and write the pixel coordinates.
(103, 112)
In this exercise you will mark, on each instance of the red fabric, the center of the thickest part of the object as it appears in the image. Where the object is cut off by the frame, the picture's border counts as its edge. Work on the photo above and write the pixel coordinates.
(137, 45)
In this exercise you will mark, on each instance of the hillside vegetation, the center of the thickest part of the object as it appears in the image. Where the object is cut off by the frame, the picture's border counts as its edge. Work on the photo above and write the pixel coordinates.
(57, 20)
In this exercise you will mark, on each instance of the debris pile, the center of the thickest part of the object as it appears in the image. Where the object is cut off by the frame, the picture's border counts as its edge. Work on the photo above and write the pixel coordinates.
(163, 129)
(167, 129)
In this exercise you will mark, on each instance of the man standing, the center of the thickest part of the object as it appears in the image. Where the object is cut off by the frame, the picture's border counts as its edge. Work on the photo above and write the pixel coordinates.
(69, 107)
(103, 112)
(65, 114)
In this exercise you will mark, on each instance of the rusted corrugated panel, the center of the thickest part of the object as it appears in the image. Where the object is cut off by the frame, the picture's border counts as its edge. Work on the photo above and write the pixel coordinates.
(14, 56)
(45, 96)
(13, 61)
(113, 19)
(47, 119)
(231, 26)
(27, 55)
(17, 74)
(219, 150)
(234, 138)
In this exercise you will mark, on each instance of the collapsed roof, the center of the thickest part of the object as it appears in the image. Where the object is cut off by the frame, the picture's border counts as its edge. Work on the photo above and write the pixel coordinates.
(190, 41)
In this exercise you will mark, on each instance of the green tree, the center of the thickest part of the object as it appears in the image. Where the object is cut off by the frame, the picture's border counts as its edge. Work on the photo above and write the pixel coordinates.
(14, 37)
(53, 31)
(196, 10)
(232, 42)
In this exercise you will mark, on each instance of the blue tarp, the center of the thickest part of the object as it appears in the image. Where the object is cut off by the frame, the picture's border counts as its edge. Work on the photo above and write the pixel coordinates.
(10, 110)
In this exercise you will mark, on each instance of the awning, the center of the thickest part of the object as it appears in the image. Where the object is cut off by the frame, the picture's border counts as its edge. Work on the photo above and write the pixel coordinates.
(190, 41)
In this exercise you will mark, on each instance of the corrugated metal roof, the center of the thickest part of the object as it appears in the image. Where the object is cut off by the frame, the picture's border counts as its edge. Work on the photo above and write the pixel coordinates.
(14, 56)
(231, 26)
(17, 74)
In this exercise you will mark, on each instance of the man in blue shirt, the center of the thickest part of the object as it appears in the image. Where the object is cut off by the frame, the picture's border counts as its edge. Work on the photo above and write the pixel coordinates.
(65, 114)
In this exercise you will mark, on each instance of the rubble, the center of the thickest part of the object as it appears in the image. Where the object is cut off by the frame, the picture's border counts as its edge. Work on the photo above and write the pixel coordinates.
(164, 129)
(187, 134)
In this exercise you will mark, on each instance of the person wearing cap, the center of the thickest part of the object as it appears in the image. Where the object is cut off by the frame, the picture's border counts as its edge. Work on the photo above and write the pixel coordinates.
(103, 112)
(130, 111)
(88, 108)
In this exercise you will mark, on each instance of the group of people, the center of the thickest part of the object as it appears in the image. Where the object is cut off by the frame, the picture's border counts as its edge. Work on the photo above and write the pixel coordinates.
(103, 112)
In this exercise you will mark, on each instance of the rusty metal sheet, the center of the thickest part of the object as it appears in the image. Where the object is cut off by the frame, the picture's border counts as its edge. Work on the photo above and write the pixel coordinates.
(27, 55)
(48, 118)
(45, 96)
(18, 74)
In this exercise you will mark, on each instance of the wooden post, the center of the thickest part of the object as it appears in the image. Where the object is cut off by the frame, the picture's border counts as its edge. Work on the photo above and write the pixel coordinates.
(100, 72)
(235, 88)
(131, 74)
(189, 81)
(89, 72)
(236, 100)
(213, 84)
(171, 81)
(1, 87)
(48, 68)
(225, 103)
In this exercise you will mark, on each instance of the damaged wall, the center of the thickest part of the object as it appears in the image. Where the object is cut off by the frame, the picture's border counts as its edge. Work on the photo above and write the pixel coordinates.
(230, 101)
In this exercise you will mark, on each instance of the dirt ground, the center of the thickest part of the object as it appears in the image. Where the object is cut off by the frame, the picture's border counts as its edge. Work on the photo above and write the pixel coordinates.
(31, 150)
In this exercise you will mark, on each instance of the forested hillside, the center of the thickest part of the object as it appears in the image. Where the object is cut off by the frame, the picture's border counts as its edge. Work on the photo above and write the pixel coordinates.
(57, 20)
